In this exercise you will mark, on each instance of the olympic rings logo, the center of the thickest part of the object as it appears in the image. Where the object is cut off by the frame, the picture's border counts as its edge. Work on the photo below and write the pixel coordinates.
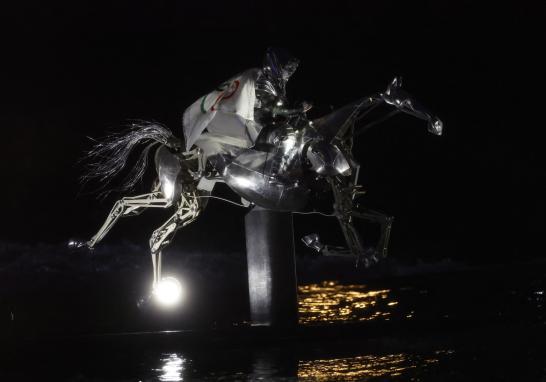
(227, 89)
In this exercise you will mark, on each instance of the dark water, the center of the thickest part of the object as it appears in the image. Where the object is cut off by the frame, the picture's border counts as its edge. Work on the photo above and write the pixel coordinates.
(484, 324)
(477, 355)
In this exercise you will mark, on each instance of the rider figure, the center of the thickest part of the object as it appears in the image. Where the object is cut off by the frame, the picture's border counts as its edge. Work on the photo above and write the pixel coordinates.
(271, 108)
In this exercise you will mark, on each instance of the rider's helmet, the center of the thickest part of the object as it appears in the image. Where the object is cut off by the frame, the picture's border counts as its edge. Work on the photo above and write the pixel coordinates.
(277, 67)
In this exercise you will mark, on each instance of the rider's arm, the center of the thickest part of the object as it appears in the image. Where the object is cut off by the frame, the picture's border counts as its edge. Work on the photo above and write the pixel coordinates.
(280, 110)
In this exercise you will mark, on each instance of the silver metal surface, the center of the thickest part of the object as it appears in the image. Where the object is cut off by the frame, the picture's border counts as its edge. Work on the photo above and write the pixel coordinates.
(269, 154)
(313, 241)
(271, 265)
(326, 159)
(403, 101)
(261, 178)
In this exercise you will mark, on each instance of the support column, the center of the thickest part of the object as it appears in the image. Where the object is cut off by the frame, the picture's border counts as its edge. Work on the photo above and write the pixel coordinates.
(271, 264)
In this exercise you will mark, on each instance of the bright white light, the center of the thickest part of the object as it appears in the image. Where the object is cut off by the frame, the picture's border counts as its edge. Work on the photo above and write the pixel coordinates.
(168, 189)
(168, 291)
(173, 368)
(243, 182)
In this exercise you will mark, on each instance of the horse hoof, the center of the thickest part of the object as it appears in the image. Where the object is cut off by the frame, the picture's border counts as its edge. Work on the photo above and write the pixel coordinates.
(77, 244)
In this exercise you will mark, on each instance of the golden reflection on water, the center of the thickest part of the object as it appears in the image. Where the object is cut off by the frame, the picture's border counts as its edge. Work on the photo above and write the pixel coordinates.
(330, 302)
(362, 367)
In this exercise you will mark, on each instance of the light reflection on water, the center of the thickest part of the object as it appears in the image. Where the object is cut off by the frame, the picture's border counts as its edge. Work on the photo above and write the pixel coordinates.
(172, 369)
(330, 302)
(266, 366)
(365, 366)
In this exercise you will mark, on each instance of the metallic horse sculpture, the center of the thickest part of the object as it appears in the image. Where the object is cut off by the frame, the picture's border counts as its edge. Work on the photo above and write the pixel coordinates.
(278, 168)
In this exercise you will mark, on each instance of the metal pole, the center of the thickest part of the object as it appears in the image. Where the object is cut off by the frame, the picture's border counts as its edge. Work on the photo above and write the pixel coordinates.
(271, 264)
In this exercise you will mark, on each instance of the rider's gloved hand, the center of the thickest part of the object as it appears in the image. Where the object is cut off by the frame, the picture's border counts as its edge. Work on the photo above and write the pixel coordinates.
(306, 106)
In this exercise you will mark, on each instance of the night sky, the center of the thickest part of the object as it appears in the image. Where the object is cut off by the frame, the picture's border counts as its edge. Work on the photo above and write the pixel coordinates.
(83, 68)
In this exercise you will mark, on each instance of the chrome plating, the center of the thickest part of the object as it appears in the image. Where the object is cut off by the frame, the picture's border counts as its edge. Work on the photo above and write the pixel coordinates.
(277, 170)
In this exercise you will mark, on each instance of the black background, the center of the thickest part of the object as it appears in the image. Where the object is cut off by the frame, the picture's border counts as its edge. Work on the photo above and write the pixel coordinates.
(78, 69)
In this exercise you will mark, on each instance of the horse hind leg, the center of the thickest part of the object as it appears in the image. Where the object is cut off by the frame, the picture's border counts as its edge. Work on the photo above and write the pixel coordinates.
(126, 206)
(188, 210)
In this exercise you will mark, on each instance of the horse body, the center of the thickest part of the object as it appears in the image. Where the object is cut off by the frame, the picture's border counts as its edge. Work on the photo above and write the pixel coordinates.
(277, 173)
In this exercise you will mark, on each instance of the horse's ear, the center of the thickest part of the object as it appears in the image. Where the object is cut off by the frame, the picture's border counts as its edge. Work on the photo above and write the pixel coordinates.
(396, 82)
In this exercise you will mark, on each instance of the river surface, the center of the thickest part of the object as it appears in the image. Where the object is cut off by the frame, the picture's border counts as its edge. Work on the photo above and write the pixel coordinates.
(475, 325)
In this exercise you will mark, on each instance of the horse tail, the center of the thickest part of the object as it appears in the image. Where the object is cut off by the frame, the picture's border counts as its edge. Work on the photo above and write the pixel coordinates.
(109, 156)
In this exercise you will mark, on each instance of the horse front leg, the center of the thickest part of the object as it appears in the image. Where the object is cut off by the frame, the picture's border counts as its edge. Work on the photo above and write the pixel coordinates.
(343, 209)
(385, 223)
(188, 210)
(354, 242)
